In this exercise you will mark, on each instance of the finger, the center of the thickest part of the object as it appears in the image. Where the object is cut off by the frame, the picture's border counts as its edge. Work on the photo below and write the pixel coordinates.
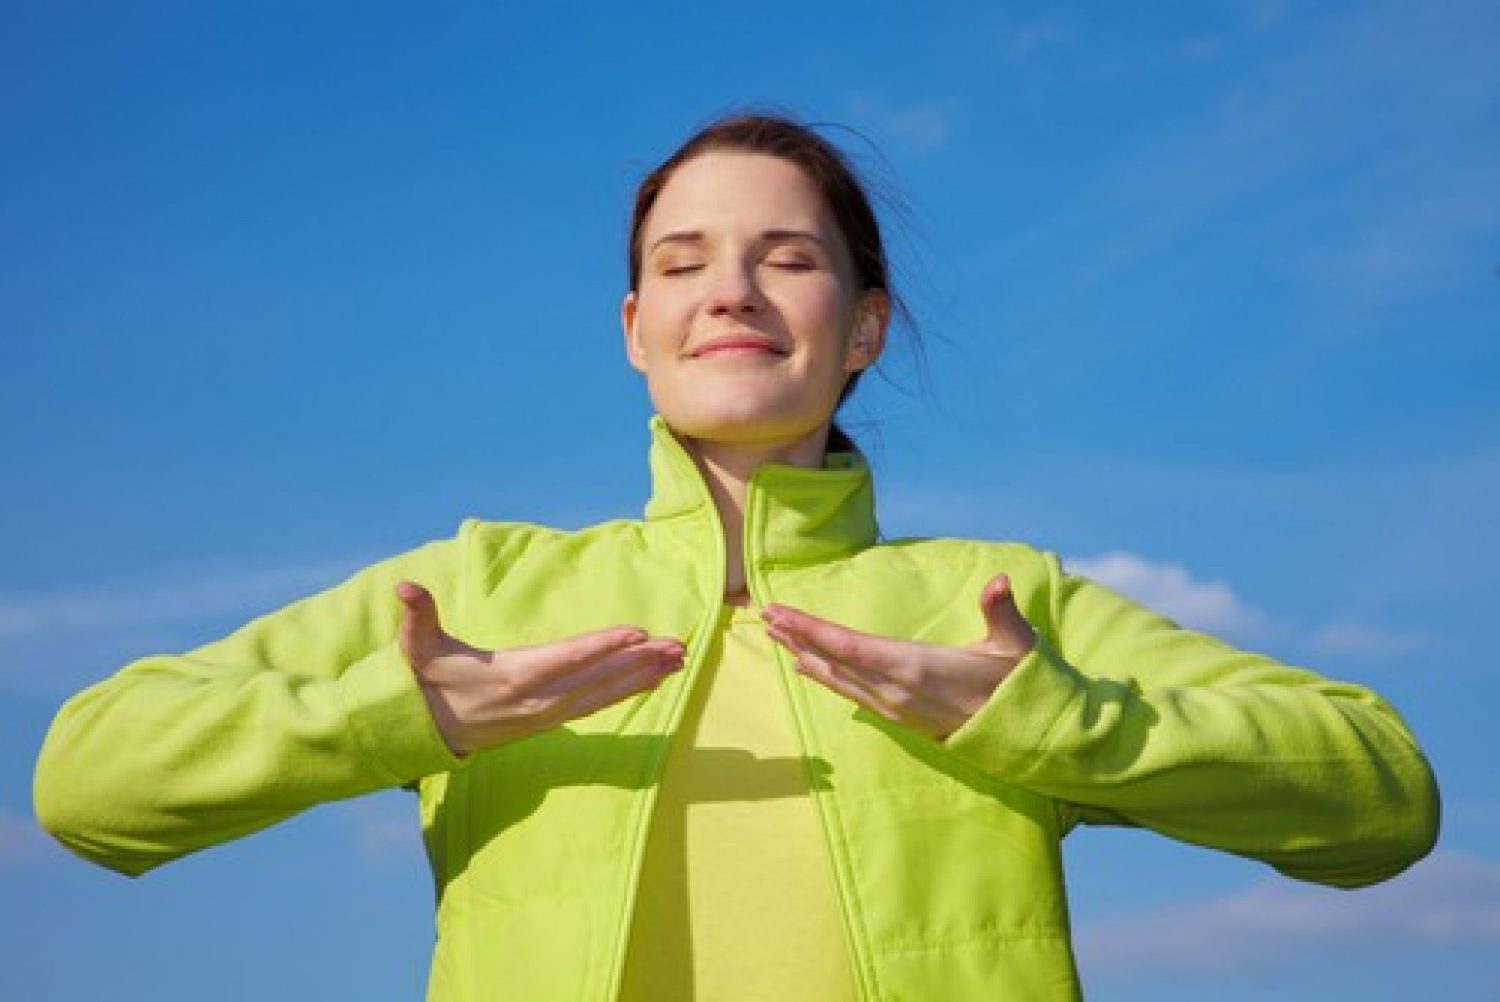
(888, 679)
(1006, 630)
(811, 663)
(588, 699)
(871, 655)
(420, 630)
(421, 608)
(655, 654)
(884, 667)
(549, 663)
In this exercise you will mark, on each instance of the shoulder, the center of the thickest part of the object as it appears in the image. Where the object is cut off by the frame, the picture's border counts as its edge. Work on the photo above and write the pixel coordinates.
(497, 545)
(478, 536)
(950, 553)
(1034, 572)
(486, 536)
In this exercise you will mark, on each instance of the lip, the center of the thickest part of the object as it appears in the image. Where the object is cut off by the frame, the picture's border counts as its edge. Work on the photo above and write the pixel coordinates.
(738, 344)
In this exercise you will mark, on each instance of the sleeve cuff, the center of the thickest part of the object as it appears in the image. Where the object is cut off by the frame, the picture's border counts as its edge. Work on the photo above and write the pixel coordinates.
(390, 718)
(1007, 735)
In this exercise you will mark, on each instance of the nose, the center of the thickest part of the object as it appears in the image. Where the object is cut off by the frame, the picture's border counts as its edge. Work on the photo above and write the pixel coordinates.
(734, 291)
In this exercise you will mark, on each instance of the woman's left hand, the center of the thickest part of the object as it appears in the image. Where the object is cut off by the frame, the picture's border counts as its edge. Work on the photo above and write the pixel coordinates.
(928, 687)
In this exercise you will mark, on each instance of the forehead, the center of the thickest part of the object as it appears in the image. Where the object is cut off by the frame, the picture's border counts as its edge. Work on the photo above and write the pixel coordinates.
(730, 190)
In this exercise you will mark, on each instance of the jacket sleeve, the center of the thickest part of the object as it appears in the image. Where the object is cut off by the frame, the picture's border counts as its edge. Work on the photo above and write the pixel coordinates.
(311, 703)
(1123, 717)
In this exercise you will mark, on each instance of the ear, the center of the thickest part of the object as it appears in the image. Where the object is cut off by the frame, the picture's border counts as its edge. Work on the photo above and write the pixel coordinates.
(633, 350)
(872, 318)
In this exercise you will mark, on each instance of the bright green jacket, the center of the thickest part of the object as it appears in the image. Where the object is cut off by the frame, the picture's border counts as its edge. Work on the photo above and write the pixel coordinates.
(945, 853)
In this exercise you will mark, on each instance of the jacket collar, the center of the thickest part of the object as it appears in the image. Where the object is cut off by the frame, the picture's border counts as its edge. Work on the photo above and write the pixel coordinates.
(792, 513)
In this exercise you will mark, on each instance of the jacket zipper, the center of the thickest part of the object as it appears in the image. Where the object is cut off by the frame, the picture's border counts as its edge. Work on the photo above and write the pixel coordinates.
(641, 827)
(861, 964)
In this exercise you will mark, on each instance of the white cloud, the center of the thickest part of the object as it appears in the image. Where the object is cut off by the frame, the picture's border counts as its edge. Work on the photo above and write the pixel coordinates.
(1172, 590)
(1436, 531)
(164, 602)
(1448, 900)
(1215, 607)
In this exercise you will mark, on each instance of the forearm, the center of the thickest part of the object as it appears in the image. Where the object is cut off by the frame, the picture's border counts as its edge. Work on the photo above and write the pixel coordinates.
(1121, 715)
(169, 757)
(1319, 779)
(311, 703)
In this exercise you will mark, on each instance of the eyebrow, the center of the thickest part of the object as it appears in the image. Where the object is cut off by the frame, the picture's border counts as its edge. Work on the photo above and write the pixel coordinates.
(770, 236)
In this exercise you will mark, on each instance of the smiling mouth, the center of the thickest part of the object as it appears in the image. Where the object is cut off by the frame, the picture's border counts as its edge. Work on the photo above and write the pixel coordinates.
(738, 350)
(742, 344)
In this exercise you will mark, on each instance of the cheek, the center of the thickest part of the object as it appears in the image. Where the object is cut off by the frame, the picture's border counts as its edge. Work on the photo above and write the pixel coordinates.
(829, 303)
(829, 317)
(658, 323)
(648, 331)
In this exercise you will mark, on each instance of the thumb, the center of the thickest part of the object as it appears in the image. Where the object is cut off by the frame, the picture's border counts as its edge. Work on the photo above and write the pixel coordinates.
(421, 631)
(1006, 630)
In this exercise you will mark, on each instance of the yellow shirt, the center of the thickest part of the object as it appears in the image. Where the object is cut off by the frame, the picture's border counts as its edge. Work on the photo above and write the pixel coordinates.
(737, 897)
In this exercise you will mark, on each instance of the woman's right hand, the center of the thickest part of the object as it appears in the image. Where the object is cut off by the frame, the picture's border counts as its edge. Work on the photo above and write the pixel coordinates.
(481, 698)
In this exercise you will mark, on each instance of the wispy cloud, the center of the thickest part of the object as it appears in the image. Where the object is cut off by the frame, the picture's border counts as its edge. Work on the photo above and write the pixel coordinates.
(1216, 607)
(916, 509)
(1374, 114)
(1171, 589)
(1450, 900)
(1264, 14)
(158, 603)
(920, 125)
(22, 842)
(1434, 531)
(1439, 233)
(1032, 39)
(385, 827)
(1364, 640)
(1475, 817)
(1438, 535)
(1202, 49)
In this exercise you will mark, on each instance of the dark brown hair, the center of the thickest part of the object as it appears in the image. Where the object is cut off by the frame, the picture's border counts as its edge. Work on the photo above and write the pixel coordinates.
(836, 179)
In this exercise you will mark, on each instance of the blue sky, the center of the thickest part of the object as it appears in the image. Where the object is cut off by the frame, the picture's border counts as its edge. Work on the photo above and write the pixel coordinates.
(1209, 294)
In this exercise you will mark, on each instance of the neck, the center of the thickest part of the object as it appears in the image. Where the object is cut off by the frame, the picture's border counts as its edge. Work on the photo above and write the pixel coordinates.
(727, 468)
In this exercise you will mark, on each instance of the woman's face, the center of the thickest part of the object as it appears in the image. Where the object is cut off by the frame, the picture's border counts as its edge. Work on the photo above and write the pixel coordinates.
(746, 320)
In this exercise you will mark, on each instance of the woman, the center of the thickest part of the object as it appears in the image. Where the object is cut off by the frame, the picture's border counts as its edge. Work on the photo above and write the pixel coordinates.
(741, 748)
